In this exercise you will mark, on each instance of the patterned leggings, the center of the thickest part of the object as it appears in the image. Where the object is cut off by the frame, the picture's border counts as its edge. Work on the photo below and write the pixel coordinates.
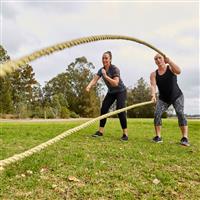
(162, 106)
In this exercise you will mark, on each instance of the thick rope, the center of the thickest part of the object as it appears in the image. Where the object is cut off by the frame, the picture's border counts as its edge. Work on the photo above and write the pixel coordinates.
(21, 156)
(12, 65)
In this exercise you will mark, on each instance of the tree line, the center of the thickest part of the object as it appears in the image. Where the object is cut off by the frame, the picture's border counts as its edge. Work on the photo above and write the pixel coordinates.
(64, 96)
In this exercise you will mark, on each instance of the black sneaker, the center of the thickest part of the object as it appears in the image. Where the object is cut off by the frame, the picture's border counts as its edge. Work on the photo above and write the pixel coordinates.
(157, 139)
(124, 137)
(184, 141)
(97, 134)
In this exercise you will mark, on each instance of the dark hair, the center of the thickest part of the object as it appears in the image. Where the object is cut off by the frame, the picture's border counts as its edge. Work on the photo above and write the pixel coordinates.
(109, 53)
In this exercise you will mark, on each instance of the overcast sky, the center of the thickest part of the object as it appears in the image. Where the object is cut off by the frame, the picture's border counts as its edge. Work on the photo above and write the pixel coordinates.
(173, 27)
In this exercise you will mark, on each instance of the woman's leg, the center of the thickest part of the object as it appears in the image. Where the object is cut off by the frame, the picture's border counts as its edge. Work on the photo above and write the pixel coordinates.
(161, 107)
(121, 102)
(179, 108)
(107, 102)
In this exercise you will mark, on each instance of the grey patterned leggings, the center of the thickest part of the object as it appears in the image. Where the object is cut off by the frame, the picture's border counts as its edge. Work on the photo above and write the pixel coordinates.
(162, 106)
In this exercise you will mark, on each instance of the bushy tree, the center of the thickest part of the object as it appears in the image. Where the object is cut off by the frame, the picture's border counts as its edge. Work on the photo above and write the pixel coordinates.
(138, 94)
(17, 89)
(6, 104)
(23, 83)
(70, 88)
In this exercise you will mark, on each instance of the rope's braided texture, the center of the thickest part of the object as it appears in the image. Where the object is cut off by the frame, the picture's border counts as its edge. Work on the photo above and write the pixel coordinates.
(12, 65)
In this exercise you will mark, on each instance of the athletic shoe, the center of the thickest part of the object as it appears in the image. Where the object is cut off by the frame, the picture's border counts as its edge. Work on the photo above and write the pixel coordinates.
(184, 141)
(124, 137)
(157, 139)
(97, 134)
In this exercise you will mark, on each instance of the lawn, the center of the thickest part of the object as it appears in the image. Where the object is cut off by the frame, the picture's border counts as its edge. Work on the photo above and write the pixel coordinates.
(82, 167)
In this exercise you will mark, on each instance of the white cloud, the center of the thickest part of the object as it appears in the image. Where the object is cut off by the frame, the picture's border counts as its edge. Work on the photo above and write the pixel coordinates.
(192, 105)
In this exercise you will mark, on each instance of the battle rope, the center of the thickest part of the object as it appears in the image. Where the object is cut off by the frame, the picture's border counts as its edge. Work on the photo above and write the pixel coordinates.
(21, 156)
(12, 65)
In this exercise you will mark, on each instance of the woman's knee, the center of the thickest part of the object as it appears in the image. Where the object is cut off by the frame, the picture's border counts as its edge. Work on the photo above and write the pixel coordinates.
(122, 115)
(120, 105)
(182, 119)
(103, 110)
(157, 119)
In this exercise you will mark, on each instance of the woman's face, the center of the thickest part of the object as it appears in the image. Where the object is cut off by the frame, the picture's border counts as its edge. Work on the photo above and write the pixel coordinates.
(106, 60)
(159, 60)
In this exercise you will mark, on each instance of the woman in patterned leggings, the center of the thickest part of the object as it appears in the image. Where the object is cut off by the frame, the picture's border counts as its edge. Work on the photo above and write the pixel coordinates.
(165, 78)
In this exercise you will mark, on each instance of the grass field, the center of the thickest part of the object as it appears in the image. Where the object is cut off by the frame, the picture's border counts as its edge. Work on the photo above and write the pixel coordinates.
(82, 167)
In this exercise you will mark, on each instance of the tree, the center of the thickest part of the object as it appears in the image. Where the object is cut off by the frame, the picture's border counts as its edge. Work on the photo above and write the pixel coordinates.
(37, 104)
(3, 55)
(22, 83)
(79, 75)
(138, 94)
(16, 89)
(6, 105)
(71, 84)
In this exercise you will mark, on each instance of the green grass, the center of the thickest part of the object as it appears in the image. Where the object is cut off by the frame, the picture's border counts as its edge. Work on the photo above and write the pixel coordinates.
(105, 167)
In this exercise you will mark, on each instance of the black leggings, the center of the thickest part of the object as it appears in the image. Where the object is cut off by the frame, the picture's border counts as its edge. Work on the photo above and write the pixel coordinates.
(108, 101)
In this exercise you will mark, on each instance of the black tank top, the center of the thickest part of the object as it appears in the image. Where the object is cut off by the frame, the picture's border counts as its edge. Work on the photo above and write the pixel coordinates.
(168, 88)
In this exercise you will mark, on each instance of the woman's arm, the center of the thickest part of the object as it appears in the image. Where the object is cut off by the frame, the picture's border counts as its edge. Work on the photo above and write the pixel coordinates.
(174, 67)
(113, 81)
(92, 82)
(153, 86)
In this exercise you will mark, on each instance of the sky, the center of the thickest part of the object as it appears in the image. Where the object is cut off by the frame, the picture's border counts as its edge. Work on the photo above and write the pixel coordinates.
(171, 26)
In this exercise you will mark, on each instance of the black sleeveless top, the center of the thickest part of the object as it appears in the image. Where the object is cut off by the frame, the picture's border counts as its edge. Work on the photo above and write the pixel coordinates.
(168, 88)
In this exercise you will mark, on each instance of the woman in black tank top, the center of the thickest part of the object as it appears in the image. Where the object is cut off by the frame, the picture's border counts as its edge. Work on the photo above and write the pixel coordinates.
(167, 85)
(165, 78)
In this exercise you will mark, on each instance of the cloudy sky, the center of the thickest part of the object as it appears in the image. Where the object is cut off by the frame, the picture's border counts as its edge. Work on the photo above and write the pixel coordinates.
(173, 27)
